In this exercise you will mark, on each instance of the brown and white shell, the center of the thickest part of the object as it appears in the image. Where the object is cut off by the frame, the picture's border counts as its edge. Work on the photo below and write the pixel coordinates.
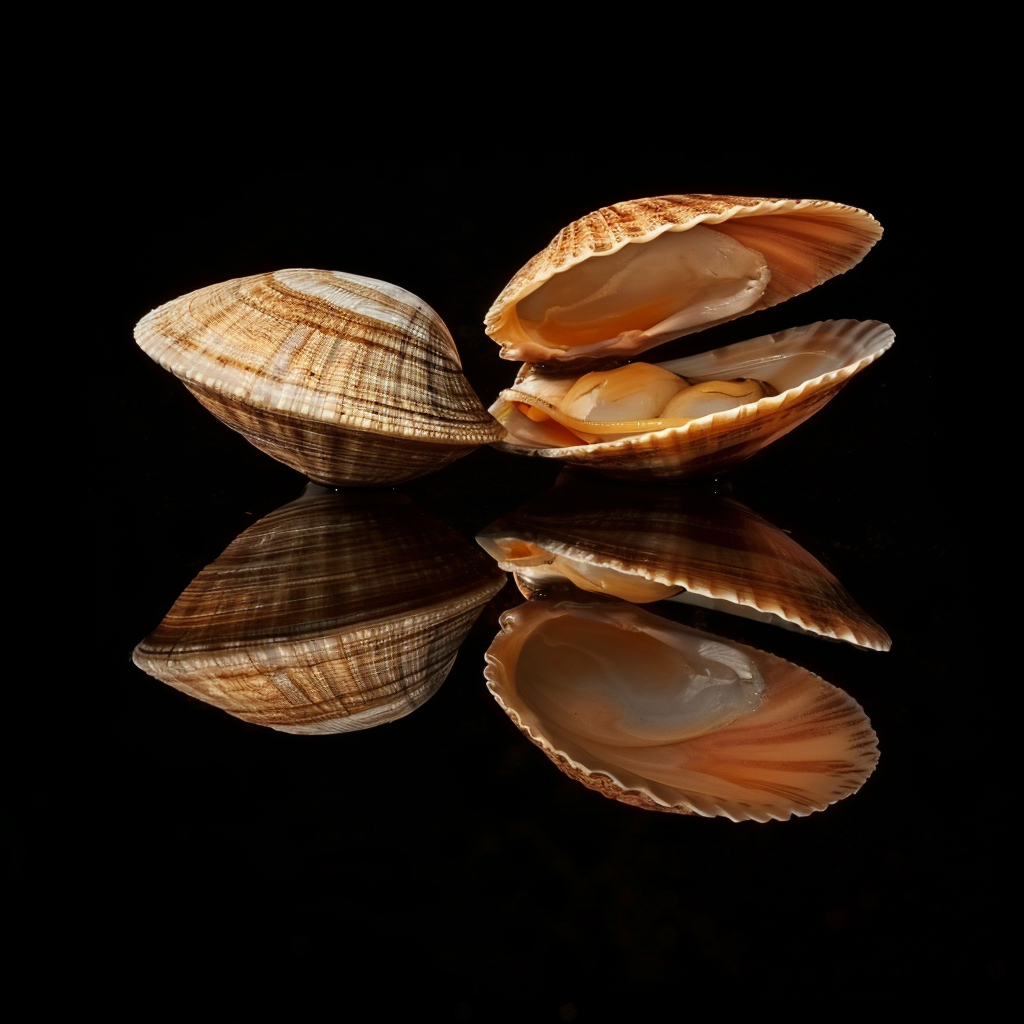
(803, 242)
(347, 379)
(335, 612)
(689, 545)
(807, 366)
(667, 718)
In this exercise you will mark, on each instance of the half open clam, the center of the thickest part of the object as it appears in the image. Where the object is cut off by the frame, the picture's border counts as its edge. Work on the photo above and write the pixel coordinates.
(630, 276)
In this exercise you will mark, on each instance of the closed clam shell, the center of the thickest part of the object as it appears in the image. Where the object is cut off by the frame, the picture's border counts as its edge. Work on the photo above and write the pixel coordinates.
(347, 379)
(802, 242)
(333, 613)
(688, 545)
(807, 366)
(666, 718)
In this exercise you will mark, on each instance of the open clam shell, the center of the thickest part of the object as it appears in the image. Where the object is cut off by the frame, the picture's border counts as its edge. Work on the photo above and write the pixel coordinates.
(333, 613)
(347, 379)
(666, 718)
(689, 545)
(806, 366)
(629, 276)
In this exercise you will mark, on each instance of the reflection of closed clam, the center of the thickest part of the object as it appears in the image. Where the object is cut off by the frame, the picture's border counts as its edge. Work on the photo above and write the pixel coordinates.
(347, 379)
(666, 718)
(629, 277)
(331, 614)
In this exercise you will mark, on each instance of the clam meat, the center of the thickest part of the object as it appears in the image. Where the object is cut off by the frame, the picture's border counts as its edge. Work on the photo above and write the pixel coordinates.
(689, 416)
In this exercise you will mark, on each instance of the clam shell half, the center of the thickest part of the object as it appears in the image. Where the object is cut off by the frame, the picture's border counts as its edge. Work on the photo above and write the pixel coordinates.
(347, 379)
(806, 365)
(802, 243)
(667, 718)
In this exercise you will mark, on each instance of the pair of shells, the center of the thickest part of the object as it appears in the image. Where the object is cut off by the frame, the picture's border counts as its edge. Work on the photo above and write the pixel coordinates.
(631, 276)
(349, 380)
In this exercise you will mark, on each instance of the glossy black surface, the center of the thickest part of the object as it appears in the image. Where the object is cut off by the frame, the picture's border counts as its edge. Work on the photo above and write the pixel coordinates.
(441, 860)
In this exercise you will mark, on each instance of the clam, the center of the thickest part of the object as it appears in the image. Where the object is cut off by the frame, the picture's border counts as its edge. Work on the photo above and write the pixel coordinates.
(628, 277)
(666, 718)
(689, 545)
(336, 612)
(347, 379)
(631, 421)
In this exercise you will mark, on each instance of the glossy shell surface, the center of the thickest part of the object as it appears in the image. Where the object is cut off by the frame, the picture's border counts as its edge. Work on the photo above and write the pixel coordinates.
(807, 365)
(803, 242)
(666, 718)
(347, 379)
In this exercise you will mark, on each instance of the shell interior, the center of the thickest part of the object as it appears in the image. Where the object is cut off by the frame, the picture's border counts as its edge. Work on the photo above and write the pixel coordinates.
(623, 279)
(668, 718)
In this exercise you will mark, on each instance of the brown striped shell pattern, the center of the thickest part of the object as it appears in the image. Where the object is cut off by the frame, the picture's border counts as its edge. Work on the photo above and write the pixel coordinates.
(350, 380)
(336, 612)
(631, 276)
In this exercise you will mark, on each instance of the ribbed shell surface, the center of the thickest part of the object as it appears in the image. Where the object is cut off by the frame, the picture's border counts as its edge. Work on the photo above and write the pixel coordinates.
(330, 614)
(805, 242)
(345, 378)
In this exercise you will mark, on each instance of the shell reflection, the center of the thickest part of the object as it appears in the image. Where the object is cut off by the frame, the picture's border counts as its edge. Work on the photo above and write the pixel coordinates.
(689, 545)
(333, 613)
(667, 718)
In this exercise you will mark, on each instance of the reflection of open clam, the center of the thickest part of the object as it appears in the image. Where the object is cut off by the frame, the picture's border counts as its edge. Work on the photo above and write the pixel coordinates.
(347, 379)
(631, 276)
(688, 545)
(331, 614)
(663, 717)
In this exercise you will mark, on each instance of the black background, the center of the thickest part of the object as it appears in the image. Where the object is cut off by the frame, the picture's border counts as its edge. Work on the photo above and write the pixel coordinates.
(441, 861)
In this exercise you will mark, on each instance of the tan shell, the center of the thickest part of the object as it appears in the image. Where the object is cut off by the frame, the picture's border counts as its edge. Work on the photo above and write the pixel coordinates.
(347, 379)
(804, 242)
(333, 613)
(807, 365)
(688, 545)
(585, 683)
